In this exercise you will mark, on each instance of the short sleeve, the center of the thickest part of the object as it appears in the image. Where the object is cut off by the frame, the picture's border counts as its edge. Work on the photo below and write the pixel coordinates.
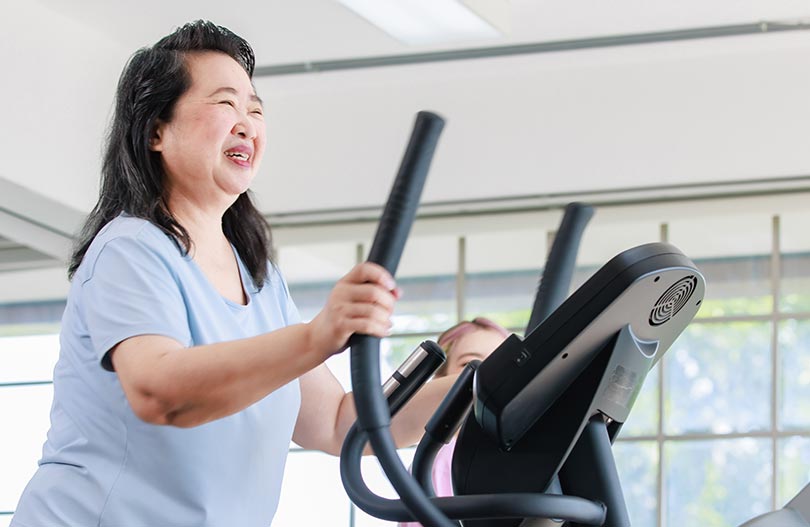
(131, 290)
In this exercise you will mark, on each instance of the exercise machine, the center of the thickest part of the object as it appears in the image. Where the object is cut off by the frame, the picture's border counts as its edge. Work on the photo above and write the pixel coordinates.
(795, 514)
(541, 409)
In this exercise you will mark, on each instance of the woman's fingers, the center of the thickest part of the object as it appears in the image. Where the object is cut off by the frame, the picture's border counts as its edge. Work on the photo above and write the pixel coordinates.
(368, 283)
(367, 319)
(366, 294)
(369, 272)
(361, 302)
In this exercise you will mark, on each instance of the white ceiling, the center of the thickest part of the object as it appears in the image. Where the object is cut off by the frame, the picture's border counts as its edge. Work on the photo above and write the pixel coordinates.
(285, 31)
(669, 113)
(548, 115)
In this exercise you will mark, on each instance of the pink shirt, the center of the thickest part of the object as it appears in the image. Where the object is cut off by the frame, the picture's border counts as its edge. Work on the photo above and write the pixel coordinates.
(442, 479)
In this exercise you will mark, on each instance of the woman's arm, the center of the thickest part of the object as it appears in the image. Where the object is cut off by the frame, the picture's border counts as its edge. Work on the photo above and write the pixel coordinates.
(166, 383)
(327, 412)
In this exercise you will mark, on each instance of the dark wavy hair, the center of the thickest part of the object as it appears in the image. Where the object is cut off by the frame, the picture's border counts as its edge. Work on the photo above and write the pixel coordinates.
(132, 176)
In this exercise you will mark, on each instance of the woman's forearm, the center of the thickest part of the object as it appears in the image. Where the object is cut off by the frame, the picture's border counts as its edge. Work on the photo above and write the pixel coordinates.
(166, 383)
(408, 426)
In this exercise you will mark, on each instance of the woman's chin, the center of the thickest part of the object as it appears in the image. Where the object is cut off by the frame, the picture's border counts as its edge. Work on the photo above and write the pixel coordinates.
(236, 187)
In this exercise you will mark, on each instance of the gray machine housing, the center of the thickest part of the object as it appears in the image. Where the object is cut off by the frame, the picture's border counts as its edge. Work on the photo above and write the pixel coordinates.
(548, 407)
(795, 514)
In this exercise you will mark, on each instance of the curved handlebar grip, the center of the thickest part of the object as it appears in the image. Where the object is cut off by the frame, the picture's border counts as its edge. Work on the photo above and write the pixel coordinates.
(386, 250)
(556, 279)
(373, 416)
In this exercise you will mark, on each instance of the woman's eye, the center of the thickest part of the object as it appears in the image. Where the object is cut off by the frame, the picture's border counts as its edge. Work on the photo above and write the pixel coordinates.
(229, 103)
(257, 111)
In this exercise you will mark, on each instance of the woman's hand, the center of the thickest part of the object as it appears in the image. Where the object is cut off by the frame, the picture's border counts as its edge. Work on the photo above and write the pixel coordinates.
(361, 302)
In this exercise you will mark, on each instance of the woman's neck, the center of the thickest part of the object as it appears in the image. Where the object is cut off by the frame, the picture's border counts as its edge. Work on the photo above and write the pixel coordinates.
(210, 248)
(203, 224)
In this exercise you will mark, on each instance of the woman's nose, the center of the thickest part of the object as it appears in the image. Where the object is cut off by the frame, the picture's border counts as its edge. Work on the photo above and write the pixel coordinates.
(245, 128)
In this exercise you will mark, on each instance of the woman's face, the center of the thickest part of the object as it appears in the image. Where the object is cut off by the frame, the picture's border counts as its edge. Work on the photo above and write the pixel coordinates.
(212, 147)
(475, 345)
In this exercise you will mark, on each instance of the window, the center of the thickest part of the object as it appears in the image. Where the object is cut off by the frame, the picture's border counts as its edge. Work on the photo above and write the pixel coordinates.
(29, 346)
(502, 272)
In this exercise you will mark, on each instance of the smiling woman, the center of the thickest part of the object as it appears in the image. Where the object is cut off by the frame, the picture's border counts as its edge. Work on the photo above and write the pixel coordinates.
(210, 165)
(184, 369)
(158, 83)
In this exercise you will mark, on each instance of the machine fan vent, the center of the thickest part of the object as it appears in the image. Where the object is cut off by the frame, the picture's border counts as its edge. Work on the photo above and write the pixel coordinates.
(673, 300)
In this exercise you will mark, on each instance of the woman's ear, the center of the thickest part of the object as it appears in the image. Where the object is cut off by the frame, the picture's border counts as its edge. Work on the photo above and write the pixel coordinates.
(155, 142)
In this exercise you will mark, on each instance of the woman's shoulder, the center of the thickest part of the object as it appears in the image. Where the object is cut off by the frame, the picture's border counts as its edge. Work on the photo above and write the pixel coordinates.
(125, 229)
(131, 235)
(126, 226)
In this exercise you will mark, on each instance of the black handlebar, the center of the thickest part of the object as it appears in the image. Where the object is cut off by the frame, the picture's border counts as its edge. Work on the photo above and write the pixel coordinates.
(373, 416)
(386, 250)
(400, 210)
(556, 279)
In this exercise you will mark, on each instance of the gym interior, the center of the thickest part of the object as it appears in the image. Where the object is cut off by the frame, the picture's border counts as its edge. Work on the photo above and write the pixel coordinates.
(683, 123)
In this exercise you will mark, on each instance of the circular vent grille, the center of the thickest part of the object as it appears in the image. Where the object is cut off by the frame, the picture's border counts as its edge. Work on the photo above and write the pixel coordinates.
(673, 300)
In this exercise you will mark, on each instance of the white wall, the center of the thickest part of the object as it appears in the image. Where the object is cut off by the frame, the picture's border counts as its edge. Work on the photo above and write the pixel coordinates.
(709, 110)
(58, 80)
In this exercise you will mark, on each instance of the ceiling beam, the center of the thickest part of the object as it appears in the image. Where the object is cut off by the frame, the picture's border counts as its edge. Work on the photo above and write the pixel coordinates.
(532, 48)
(642, 195)
(36, 221)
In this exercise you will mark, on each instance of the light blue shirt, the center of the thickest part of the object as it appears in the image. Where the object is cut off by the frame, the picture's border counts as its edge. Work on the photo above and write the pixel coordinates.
(101, 465)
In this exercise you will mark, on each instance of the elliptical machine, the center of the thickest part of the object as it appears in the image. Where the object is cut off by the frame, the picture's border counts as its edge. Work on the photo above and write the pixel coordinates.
(545, 408)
